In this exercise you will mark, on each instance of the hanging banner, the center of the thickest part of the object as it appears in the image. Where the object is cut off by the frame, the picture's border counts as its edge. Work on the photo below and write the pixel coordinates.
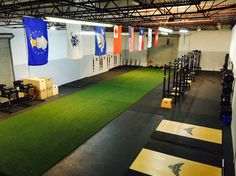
(156, 38)
(141, 39)
(100, 41)
(37, 41)
(74, 42)
(117, 39)
(149, 43)
(131, 39)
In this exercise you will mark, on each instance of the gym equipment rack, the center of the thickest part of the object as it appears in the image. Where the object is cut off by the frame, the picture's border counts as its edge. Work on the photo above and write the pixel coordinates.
(179, 74)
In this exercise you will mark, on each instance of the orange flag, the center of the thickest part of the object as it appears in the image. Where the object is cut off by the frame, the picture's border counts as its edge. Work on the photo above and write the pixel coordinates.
(156, 38)
(117, 39)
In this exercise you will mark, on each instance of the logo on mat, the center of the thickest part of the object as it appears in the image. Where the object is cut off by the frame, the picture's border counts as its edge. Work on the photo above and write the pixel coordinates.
(189, 130)
(175, 168)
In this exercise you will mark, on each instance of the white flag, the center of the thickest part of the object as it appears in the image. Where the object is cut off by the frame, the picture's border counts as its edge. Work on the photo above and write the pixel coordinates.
(74, 42)
(116, 31)
(149, 43)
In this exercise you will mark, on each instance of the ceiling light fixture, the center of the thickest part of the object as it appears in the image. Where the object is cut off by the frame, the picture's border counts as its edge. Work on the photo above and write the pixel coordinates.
(199, 28)
(164, 33)
(87, 33)
(165, 30)
(53, 28)
(70, 21)
(124, 33)
(183, 31)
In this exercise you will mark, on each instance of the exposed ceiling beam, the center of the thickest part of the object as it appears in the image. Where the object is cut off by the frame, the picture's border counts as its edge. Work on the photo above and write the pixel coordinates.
(121, 12)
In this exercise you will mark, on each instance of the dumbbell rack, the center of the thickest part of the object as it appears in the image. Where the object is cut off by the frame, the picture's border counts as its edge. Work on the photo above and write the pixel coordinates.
(12, 94)
(227, 83)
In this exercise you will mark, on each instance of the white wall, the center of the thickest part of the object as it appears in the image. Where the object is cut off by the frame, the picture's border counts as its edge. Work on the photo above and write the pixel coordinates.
(6, 72)
(213, 44)
(60, 67)
(135, 55)
(233, 59)
(163, 54)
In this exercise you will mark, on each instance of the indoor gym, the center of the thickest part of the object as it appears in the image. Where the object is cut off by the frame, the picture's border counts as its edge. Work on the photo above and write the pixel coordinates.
(117, 88)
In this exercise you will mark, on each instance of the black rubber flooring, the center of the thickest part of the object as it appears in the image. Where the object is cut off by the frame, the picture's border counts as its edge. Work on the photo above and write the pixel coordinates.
(188, 142)
(8, 111)
(199, 106)
(86, 82)
(112, 150)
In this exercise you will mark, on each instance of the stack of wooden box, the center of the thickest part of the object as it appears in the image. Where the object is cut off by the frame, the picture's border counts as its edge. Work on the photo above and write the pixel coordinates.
(39, 85)
(44, 87)
(55, 90)
(48, 85)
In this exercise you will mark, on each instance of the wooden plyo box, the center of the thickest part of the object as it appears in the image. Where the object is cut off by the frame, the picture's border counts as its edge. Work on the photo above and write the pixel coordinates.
(48, 80)
(49, 92)
(55, 90)
(166, 103)
(189, 82)
(21, 94)
(42, 94)
(31, 91)
(39, 84)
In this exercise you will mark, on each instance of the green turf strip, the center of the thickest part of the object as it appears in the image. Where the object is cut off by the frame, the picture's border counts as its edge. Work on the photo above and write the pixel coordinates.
(33, 141)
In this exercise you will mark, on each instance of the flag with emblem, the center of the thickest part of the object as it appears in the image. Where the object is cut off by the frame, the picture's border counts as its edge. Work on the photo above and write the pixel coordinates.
(149, 43)
(117, 39)
(100, 41)
(156, 38)
(37, 41)
(141, 39)
(131, 39)
(74, 46)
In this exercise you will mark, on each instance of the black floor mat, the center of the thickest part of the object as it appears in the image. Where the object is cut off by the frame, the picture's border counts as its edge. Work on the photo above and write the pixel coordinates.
(22, 105)
(131, 172)
(85, 82)
(188, 142)
(185, 152)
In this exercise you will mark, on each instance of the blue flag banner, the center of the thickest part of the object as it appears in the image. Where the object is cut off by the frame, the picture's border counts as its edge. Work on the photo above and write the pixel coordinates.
(37, 40)
(100, 41)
